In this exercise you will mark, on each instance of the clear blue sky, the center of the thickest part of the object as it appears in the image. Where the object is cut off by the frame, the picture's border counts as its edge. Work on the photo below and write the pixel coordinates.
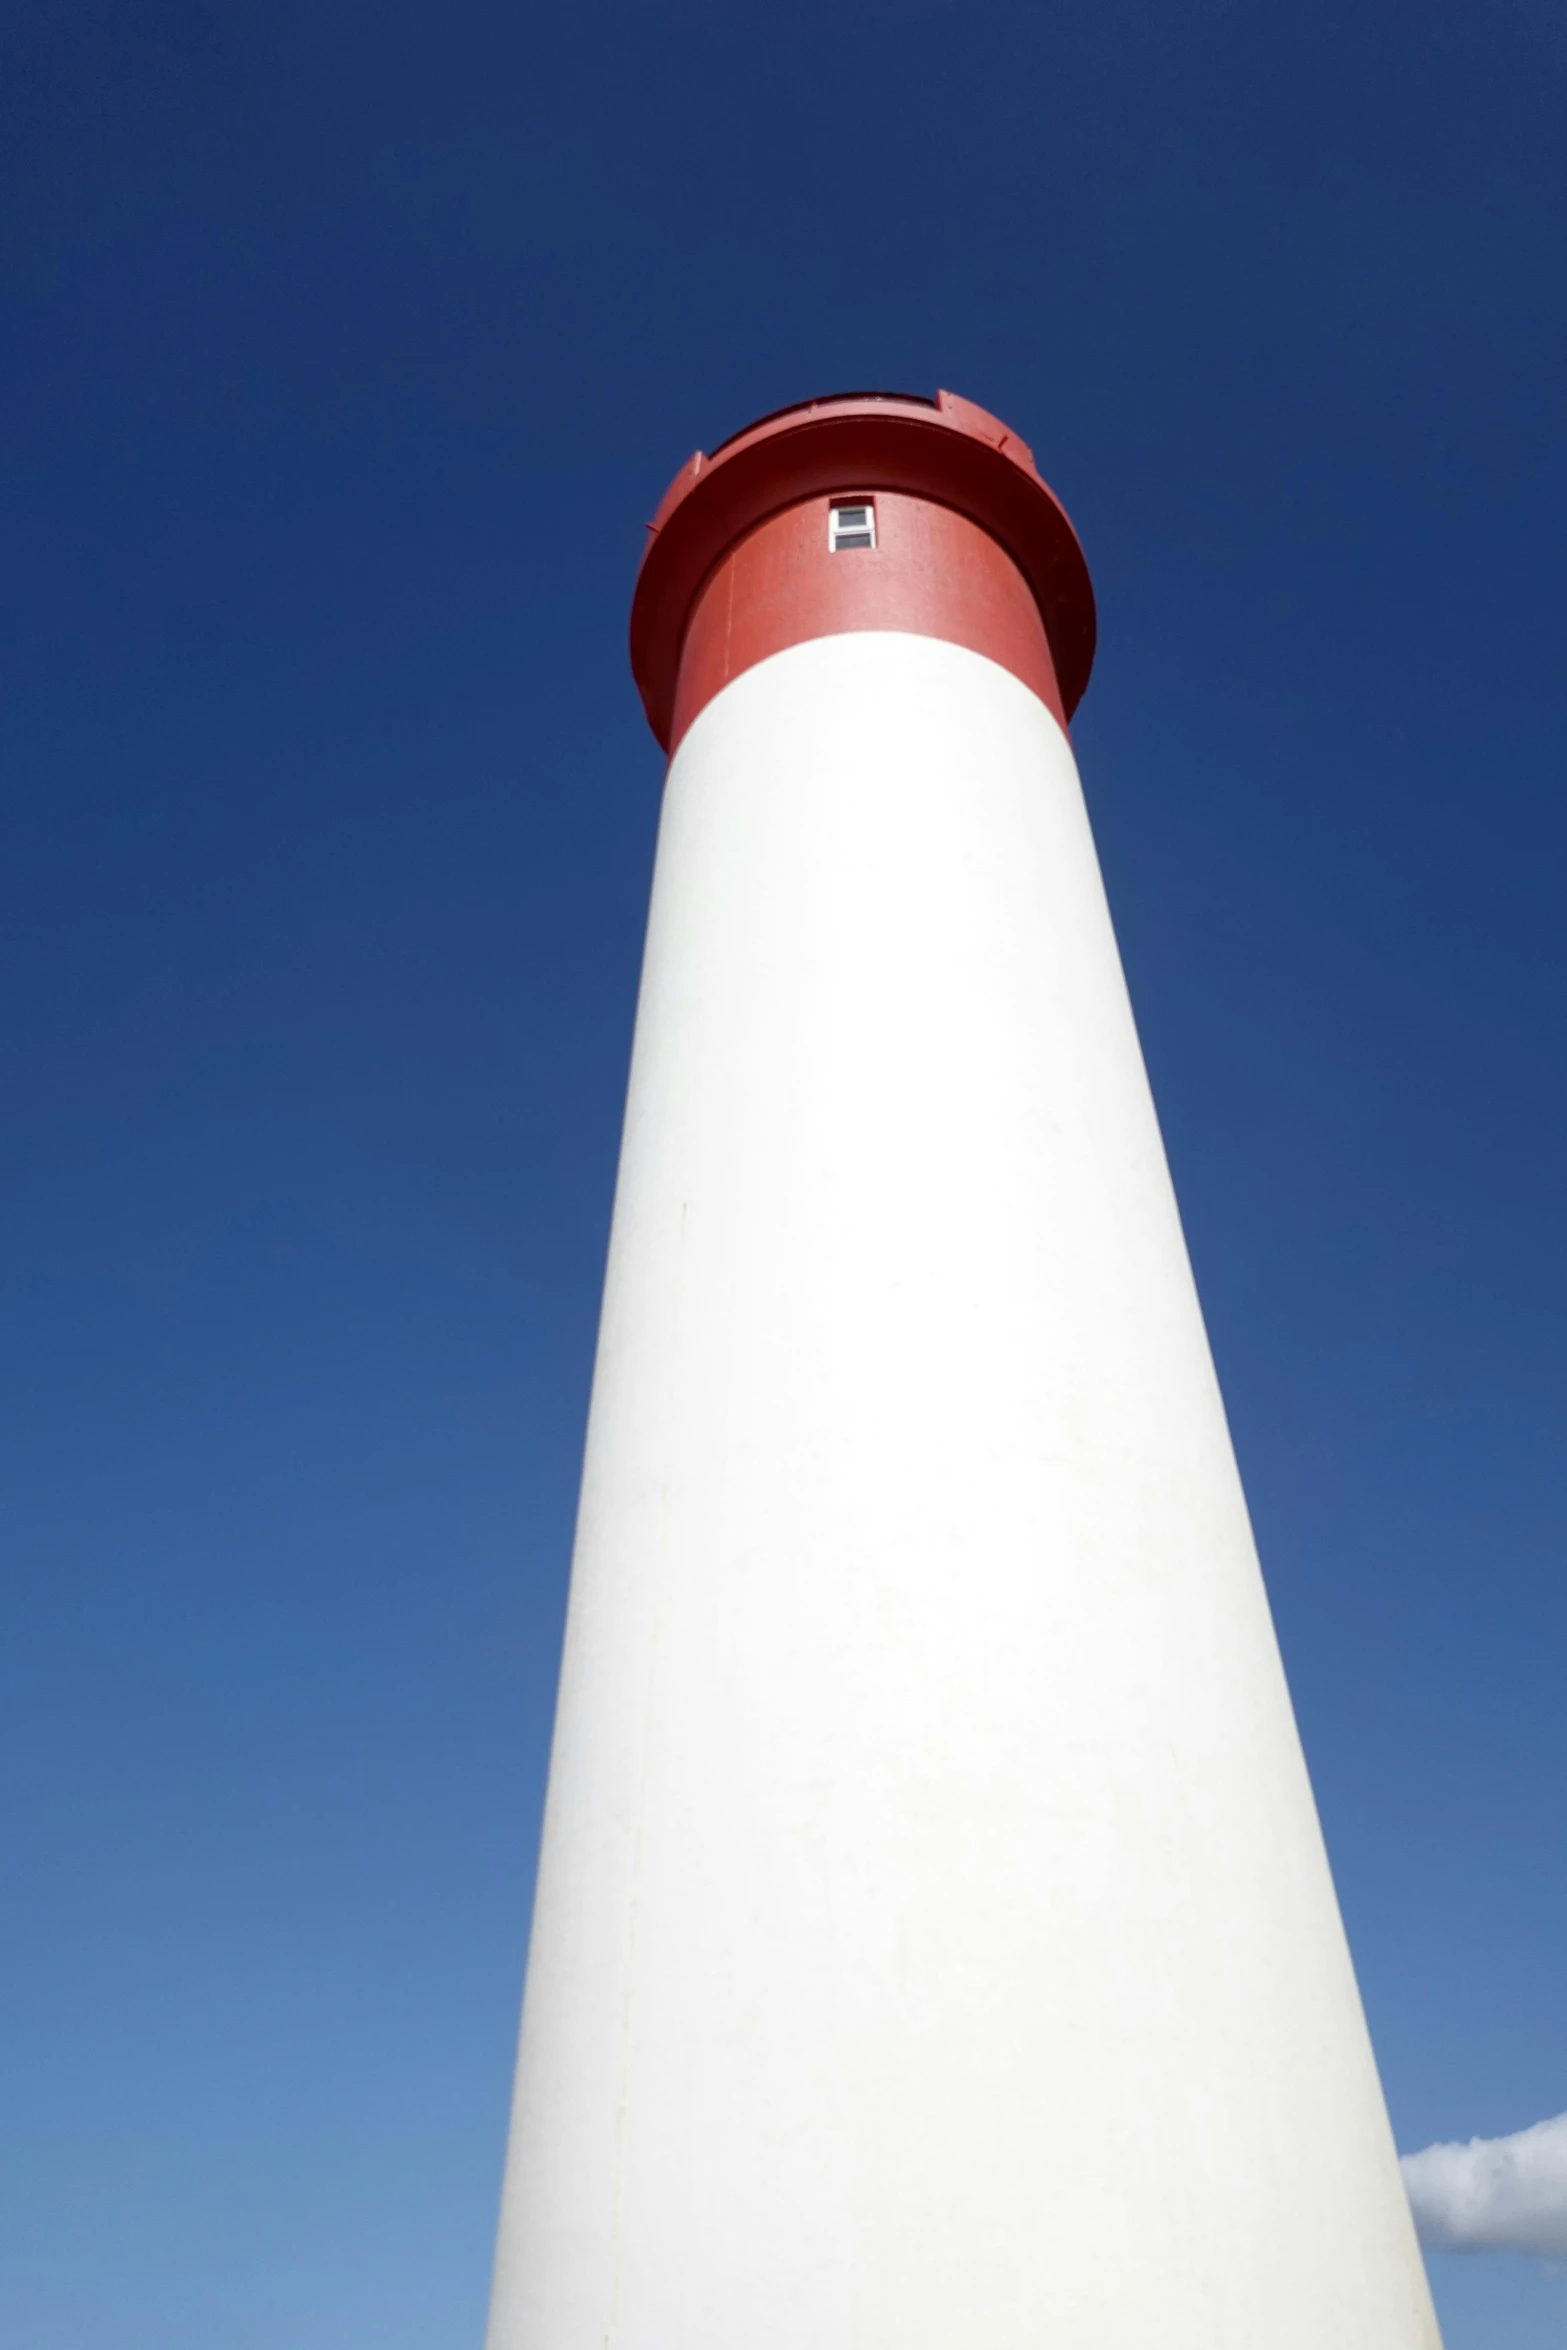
(347, 349)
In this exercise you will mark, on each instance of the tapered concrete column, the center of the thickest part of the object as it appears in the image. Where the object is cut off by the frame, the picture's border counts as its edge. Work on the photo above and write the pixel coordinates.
(934, 1945)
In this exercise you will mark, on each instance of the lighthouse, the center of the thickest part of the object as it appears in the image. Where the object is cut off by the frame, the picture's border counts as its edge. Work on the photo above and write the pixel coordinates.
(934, 1946)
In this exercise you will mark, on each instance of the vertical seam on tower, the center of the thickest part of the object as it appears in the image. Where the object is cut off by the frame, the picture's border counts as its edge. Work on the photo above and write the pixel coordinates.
(654, 1645)
(729, 620)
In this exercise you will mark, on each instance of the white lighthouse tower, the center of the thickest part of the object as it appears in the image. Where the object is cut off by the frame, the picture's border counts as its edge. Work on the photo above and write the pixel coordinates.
(934, 1945)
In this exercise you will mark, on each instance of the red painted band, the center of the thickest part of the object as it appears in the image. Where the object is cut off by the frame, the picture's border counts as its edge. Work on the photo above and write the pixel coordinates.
(947, 456)
(931, 572)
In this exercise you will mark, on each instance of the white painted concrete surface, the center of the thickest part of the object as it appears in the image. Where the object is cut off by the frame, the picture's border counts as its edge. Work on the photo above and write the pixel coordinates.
(934, 1946)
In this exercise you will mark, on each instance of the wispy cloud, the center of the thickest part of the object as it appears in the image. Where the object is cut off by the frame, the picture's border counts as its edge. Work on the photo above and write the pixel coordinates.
(1495, 2194)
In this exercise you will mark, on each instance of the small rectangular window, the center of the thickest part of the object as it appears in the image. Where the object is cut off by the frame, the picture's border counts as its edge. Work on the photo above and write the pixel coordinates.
(851, 526)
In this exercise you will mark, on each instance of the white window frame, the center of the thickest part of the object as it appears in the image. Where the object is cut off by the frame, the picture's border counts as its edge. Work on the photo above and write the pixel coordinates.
(859, 536)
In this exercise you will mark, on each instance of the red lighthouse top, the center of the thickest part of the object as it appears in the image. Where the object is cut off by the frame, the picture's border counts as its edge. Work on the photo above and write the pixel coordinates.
(975, 548)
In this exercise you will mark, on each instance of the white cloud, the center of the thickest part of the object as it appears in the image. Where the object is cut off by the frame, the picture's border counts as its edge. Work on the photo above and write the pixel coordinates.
(1495, 2194)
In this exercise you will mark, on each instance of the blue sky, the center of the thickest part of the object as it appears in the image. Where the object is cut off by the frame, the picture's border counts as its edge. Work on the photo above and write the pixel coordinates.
(346, 352)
